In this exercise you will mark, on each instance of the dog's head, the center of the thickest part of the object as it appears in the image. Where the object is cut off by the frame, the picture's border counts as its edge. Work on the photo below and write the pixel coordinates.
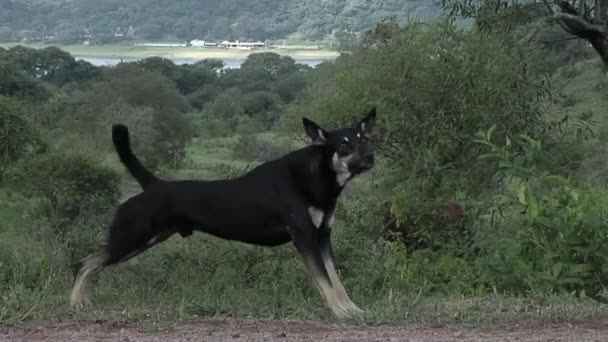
(351, 150)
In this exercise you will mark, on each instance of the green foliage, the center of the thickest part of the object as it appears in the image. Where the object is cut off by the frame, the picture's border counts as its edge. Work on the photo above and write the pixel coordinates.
(245, 100)
(559, 241)
(16, 83)
(466, 231)
(189, 19)
(211, 125)
(18, 137)
(72, 184)
(435, 87)
(50, 64)
(147, 102)
(252, 148)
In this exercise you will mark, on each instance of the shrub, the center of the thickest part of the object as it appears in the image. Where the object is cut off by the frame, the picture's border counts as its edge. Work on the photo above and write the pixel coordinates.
(148, 103)
(212, 126)
(72, 184)
(434, 86)
(547, 233)
(18, 137)
(254, 148)
(248, 126)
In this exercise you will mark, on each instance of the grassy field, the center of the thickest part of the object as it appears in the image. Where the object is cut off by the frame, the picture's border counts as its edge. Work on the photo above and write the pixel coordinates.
(202, 276)
(139, 52)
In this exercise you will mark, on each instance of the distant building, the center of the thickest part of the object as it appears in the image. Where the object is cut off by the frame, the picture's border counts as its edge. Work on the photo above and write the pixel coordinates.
(162, 44)
(201, 43)
(197, 42)
(242, 45)
(296, 47)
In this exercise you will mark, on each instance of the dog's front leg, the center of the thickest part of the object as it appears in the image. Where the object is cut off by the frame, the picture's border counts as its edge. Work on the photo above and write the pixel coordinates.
(306, 242)
(327, 255)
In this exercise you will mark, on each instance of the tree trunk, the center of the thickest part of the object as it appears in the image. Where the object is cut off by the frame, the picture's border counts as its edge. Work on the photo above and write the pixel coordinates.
(600, 44)
(592, 30)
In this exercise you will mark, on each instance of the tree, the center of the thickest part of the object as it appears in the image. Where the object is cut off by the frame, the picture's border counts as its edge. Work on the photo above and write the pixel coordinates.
(51, 64)
(270, 63)
(68, 33)
(436, 86)
(17, 136)
(262, 106)
(198, 75)
(15, 83)
(152, 30)
(584, 19)
(161, 65)
(147, 102)
(227, 106)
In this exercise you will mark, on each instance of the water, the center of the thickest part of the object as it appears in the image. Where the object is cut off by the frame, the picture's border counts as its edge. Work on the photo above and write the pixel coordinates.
(229, 63)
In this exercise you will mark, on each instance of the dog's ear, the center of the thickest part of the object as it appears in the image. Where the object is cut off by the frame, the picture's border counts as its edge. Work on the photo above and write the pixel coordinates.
(369, 122)
(314, 131)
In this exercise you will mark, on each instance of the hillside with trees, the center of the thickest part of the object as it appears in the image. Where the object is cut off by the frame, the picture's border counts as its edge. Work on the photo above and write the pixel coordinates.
(116, 20)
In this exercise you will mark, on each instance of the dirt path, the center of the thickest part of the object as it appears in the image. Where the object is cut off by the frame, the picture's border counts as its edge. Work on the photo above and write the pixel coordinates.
(261, 330)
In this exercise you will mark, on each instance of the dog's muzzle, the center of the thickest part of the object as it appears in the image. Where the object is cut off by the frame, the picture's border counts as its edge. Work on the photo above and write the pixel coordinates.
(367, 162)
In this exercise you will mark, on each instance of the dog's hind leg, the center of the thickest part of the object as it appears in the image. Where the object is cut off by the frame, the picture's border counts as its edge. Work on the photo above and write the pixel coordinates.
(89, 266)
(125, 242)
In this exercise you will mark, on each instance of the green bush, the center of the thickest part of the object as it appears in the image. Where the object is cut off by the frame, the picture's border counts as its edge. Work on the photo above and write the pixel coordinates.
(212, 126)
(147, 102)
(435, 86)
(248, 126)
(18, 136)
(551, 234)
(72, 184)
(253, 148)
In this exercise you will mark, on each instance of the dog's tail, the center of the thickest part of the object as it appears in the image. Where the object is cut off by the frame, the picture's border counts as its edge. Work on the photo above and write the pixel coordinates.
(122, 144)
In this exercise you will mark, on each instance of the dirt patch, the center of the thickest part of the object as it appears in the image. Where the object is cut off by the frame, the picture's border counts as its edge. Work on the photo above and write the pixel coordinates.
(262, 330)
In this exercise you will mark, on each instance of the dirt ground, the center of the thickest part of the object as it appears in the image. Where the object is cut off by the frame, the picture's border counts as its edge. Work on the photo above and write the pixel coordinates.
(261, 330)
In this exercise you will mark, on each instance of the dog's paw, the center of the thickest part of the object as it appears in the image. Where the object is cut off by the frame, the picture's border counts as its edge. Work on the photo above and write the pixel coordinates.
(347, 312)
(79, 303)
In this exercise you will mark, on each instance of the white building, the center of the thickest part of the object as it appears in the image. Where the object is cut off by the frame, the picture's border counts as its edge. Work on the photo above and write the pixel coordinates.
(201, 43)
(162, 44)
(242, 45)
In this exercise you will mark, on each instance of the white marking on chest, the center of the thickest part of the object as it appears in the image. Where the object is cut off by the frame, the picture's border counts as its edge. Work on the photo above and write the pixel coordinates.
(153, 240)
(330, 220)
(341, 168)
(316, 215)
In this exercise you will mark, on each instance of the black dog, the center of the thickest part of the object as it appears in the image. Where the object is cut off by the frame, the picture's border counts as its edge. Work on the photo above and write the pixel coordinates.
(288, 199)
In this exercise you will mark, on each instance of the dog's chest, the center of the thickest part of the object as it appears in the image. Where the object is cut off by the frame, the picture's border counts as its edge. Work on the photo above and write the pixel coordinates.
(321, 217)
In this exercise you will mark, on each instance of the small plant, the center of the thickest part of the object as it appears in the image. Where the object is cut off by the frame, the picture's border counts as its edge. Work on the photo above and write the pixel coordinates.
(559, 240)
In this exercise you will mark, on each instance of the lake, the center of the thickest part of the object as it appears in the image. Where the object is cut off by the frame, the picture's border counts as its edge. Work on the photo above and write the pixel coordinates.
(230, 63)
